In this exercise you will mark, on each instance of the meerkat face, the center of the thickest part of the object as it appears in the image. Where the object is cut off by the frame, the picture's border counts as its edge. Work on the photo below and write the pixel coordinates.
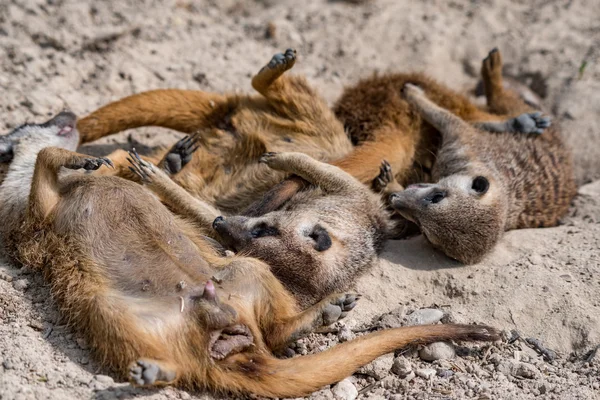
(59, 131)
(461, 215)
(276, 235)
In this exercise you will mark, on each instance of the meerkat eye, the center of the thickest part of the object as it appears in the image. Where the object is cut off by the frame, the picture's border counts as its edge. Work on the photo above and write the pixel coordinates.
(262, 230)
(6, 152)
(435, 197)
(321, 238)
(480, 185)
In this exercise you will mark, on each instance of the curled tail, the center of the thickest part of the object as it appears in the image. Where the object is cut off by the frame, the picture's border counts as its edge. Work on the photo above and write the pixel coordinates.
(181, 110)
(272, 377)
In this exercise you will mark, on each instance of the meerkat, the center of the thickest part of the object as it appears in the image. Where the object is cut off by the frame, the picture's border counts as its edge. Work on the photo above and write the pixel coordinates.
(316, 244)
(138, 282)
(230, 132)
(486, 183)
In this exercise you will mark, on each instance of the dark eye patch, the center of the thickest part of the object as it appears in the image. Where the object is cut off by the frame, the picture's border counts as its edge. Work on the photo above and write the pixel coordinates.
(263, 230)
(435, 197)
(480, 184)
(321, 238)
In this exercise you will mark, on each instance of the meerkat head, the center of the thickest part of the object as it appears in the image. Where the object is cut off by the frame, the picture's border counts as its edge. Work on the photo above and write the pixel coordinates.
(312, 246)
(59, 131)
(462, 215)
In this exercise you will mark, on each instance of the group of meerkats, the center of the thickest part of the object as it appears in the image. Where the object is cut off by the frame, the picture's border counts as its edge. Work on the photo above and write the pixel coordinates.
(193, 266)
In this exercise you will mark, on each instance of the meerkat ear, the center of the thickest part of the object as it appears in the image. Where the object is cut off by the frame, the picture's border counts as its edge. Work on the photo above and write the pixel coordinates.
(480, 184)
(321, 238)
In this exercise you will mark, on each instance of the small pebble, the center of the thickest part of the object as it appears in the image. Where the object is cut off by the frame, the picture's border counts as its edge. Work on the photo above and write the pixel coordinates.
(401, 367)
(345, 334)
(425, 316)
(426, 373)
(378, 368)
(107, 380)
(7, 364)
(437, 351)
(344, 390)
(445, 373)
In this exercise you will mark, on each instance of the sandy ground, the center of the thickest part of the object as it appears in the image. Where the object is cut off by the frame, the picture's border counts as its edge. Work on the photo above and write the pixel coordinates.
(543, 283)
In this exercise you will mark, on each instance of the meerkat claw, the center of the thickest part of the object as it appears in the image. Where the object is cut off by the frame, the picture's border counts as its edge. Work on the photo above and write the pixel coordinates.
(266, 157)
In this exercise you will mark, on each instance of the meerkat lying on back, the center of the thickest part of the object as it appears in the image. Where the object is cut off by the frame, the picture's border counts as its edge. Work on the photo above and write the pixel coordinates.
(135, 280)
(486, 183)
(230, 132)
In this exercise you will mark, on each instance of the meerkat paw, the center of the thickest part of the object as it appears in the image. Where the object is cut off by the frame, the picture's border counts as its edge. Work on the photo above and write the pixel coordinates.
(143, 169)
(410, 91)
(91, 164)
(282, 61)
(339, 306)
(283, 161)
(146, 372)
(531, 123)
(180, 154)
(385, 183)
(491, 66)
(384, 178)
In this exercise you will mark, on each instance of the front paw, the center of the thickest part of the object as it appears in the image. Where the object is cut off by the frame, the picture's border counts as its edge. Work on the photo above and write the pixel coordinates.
(180, 154)
(384, 178)
(143, 169)
(531, 123)
(273, 160)
(91, 164)
(339, 306)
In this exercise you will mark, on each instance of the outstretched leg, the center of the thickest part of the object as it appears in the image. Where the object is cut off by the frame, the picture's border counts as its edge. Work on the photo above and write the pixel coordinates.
(44, 186)
(265, 81)
(328, 177)
(181, 110)
(173, 195)
(499, 100)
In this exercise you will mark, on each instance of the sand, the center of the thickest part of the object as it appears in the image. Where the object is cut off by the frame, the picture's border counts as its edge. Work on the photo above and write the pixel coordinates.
(543, 283)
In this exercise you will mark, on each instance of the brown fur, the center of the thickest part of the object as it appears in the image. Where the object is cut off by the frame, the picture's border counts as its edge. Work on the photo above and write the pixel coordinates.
(233, 131)
(132, 278)
(487, 183)
(382, 126)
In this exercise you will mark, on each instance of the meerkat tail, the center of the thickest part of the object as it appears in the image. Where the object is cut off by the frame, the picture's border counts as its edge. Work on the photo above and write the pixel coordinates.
(181, 110)
(272, 377)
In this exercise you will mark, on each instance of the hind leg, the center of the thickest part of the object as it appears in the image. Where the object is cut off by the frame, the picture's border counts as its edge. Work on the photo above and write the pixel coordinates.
(276, 310)
(265, 80)
(44, 186)
(499, 100)
(326, 312)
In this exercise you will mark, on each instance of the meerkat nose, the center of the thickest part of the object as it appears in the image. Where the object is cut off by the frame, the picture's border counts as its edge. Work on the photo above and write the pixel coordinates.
(218, 221)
